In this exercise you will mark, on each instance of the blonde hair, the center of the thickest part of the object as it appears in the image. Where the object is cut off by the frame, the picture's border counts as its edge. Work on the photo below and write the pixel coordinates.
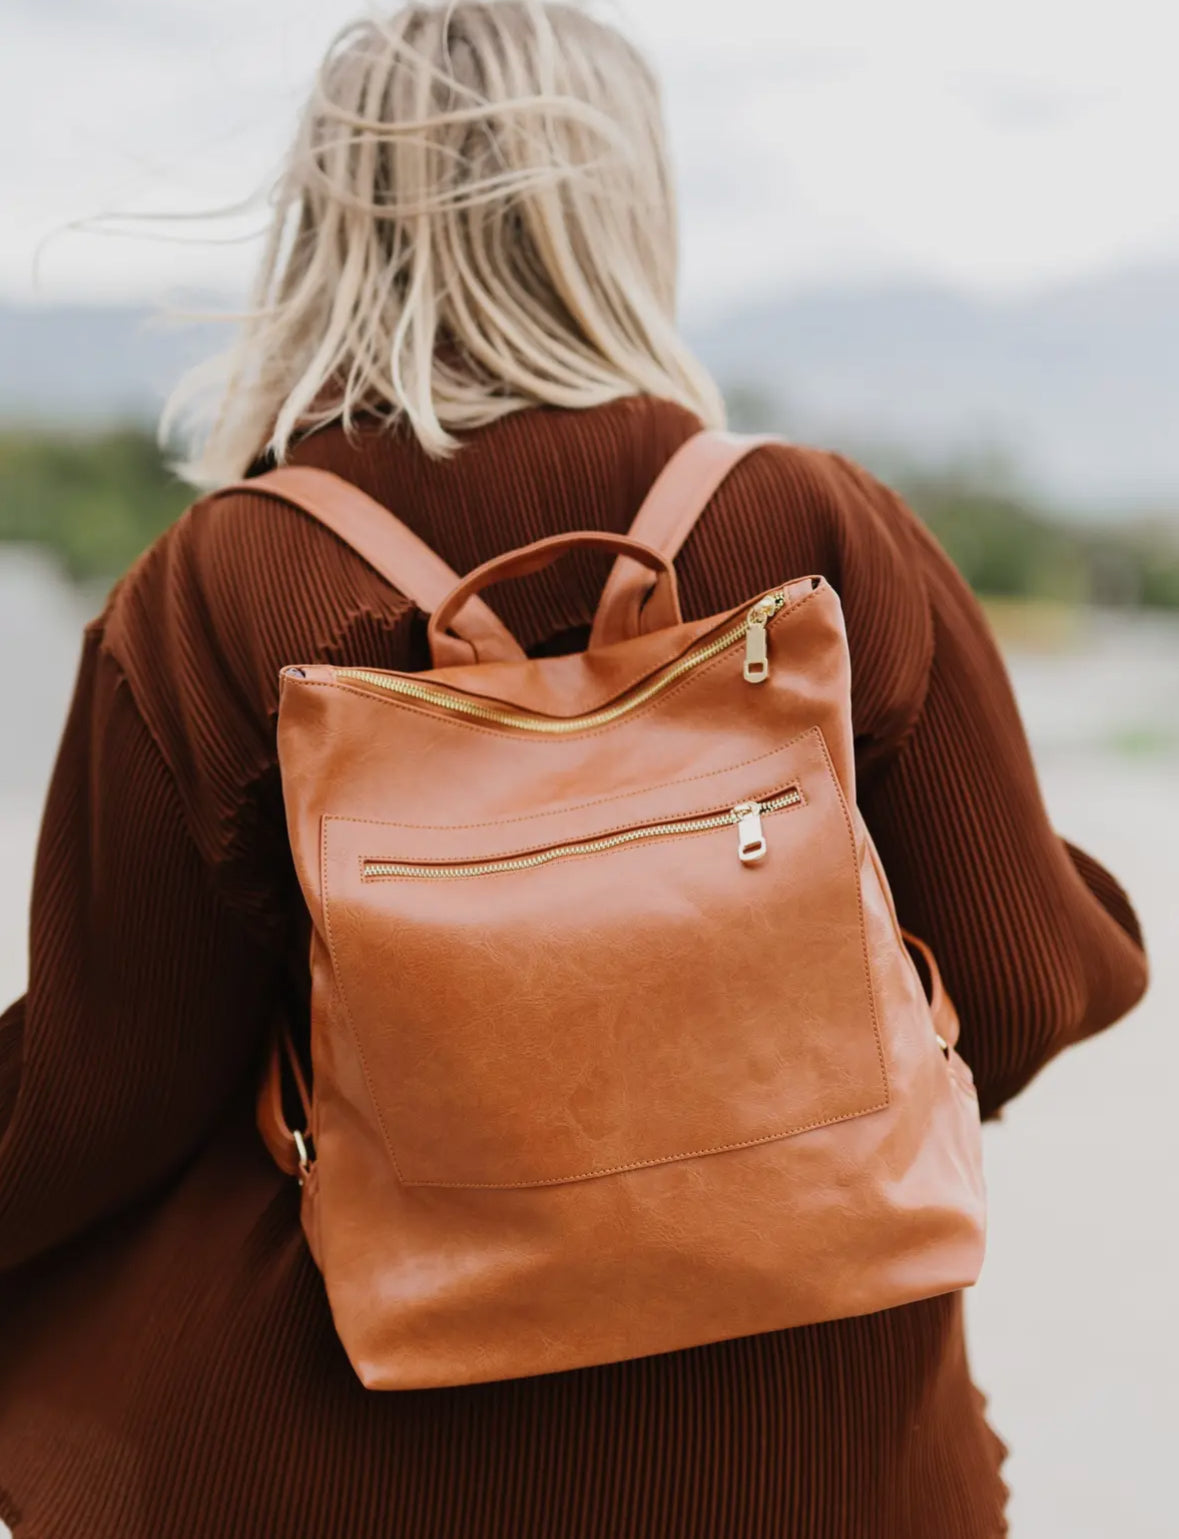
(477, 216)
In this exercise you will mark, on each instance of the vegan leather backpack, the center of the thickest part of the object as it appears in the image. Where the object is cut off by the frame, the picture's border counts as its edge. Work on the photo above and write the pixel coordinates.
(616, 1044)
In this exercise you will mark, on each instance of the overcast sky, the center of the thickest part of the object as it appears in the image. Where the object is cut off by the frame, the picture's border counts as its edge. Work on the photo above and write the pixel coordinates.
(1000, 145)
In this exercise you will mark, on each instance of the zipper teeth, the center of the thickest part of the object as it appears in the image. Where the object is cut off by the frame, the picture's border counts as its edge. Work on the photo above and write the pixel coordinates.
(463, 705)
(375, 869)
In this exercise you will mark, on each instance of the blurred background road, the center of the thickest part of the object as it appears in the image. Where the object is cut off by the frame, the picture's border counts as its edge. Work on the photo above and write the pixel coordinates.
(934, 238)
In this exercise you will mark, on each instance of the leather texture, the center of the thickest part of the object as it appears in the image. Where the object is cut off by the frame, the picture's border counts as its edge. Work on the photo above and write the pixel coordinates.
(586, 1085)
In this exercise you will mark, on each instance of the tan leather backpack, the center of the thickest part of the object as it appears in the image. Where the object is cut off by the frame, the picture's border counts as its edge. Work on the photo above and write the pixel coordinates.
(617, 1047)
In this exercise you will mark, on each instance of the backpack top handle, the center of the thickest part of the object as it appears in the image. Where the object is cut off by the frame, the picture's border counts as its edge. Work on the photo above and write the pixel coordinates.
(640, 594)
(656, 570)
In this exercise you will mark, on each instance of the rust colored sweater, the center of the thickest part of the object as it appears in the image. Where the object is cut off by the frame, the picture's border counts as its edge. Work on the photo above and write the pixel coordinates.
(168, 1367)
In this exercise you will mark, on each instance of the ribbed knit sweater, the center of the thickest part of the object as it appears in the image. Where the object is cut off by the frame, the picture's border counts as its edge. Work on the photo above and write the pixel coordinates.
(168, 1365)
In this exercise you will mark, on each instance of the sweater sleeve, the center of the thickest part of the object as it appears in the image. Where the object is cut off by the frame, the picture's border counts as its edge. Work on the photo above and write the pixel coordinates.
(147, 995)
(1038, 944)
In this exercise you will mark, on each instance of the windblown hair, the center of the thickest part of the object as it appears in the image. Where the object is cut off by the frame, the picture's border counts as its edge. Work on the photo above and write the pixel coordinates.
(477, 216)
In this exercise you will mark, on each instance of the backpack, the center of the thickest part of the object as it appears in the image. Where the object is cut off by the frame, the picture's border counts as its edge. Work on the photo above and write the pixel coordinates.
(617, 1045)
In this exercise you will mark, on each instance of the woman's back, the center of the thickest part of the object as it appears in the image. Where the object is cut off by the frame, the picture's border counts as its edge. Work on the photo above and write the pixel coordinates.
(473, 259)
(167, 911)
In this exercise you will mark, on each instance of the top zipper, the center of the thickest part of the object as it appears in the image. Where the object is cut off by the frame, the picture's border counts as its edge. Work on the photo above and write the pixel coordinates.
(757, 646)
(752, 628)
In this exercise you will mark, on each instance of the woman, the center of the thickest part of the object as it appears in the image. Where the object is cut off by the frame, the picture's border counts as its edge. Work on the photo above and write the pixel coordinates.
(467, 308)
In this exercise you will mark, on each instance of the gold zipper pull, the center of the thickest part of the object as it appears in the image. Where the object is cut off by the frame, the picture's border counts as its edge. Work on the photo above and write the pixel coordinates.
(757, 649)
(751, 839)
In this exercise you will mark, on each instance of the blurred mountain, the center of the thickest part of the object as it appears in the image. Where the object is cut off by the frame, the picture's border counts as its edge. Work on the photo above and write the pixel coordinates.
(1076, 386)
(91, 366)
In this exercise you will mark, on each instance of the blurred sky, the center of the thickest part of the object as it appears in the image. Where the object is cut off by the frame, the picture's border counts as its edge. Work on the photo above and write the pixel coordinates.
(993, 146)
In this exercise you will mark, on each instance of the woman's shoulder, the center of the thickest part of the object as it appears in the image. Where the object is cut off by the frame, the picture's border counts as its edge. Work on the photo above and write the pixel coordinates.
(801, 510)
(200, 627)
(822, 496)
(241, 584)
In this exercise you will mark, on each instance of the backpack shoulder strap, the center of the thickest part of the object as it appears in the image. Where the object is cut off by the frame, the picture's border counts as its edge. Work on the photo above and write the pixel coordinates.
(681, 492)
(390, 548)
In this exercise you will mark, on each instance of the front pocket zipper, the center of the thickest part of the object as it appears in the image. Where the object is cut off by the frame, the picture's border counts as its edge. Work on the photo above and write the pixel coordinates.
(745, 816)
(751, 630)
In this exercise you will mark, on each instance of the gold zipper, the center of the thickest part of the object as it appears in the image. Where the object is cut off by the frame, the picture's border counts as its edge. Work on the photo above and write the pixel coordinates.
(757, 646)
(747, 816)
(752, 628)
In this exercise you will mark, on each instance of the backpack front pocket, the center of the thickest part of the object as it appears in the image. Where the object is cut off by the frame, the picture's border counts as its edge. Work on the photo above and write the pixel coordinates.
(597, 989)
(746, 817)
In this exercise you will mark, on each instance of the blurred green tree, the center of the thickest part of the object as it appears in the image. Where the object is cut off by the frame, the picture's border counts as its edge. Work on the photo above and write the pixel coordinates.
(98, 500)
